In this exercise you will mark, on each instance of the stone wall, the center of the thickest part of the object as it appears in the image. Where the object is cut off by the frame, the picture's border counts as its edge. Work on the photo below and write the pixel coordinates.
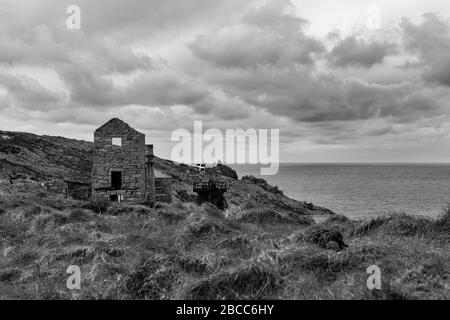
(149, 175)
(163, 190)
(129, 159)
(57, 186)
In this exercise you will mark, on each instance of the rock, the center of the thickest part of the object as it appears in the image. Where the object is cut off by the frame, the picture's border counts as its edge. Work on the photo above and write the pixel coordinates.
(223, 170)
(310, 206)
(263, 184)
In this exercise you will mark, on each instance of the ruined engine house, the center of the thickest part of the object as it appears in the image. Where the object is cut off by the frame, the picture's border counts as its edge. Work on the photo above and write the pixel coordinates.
(122, 165)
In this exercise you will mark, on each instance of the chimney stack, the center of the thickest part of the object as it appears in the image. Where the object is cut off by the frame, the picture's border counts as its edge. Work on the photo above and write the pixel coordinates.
(150, 176)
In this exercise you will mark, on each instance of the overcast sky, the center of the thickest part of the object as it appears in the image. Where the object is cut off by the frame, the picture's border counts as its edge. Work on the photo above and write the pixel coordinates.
(338, 89)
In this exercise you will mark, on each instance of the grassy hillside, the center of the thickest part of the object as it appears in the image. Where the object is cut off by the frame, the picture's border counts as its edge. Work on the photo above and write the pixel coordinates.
(197, 252)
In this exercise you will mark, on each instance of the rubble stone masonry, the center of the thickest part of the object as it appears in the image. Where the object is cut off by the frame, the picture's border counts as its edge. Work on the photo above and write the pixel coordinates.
(127, 159)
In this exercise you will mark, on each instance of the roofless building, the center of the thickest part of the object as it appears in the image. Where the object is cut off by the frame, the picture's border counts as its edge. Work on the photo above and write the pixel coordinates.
(123, 168)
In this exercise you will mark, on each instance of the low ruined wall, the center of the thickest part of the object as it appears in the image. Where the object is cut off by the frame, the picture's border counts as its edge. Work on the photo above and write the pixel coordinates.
(163, 190)
(126, 195)
(57, 187)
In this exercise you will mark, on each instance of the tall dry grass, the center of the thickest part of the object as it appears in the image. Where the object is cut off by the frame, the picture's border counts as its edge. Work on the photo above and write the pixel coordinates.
(182, 250)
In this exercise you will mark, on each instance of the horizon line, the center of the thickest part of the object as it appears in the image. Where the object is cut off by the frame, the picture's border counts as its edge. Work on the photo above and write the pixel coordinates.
(362, 162)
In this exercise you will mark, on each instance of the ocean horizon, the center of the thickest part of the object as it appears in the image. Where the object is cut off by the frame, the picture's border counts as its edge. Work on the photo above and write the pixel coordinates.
(360, 190)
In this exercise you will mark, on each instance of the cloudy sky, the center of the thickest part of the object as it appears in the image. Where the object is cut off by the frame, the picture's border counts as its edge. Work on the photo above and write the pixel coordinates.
(339, 88)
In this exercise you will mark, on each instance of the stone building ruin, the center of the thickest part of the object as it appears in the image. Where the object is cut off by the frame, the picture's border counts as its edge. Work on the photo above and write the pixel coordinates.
(211, 191)
(122, 165)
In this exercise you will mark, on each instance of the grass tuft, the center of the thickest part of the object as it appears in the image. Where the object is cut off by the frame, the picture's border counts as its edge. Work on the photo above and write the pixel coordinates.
(153, 279)
(253, 281)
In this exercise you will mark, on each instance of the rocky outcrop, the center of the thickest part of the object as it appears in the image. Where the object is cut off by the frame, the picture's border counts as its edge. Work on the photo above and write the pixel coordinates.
(42, 158)
(263, 184)
(223, 170)
(45, 157)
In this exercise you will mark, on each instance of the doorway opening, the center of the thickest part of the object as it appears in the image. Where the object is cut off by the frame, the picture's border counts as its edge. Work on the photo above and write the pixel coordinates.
(116, 180)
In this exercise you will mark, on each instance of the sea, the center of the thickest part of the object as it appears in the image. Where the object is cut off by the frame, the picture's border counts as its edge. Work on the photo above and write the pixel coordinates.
(364, 190)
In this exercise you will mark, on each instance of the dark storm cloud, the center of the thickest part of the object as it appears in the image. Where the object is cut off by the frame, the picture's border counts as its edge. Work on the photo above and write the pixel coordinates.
(151, 88)
(267, 61)
(164, 88)
(266, 36)
(222, 107)
(87, 87)
(140, 19)
(27, 93)
(352, 52)
(43, 46)
(306, 95)
(35, 46)
(431, 41)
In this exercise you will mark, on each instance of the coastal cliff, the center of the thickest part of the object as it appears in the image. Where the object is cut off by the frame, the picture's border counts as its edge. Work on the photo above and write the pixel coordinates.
(40, 158)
